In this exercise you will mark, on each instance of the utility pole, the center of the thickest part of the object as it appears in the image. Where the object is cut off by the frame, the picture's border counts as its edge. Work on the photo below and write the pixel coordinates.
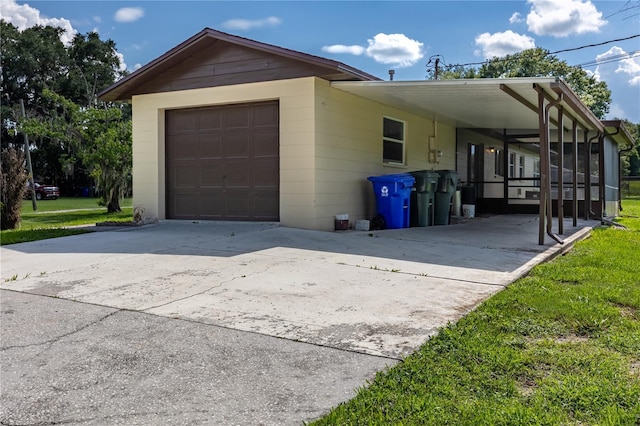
(27, 153)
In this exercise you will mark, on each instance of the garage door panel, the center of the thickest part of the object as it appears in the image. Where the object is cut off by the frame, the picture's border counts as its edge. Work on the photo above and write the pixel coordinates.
(209, 119)
(210, 146)
(266, 115)
(266, 173)
(184, 204)
(236, 145)
(184, 147)
(212, 205)
(265, 203)
(236, 117)
(211, 174)
(265, 144)
(185, 176)
(239, 206)
(237, 174)
(182, 121)
(223, 162)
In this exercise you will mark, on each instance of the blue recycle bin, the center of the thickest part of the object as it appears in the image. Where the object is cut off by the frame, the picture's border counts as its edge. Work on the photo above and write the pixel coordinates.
(393, 195)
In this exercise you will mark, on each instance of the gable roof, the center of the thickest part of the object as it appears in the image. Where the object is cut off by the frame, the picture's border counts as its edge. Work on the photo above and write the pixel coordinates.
(126, 87)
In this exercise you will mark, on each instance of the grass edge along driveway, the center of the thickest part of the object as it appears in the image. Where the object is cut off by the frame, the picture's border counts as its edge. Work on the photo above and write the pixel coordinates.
(559, 346)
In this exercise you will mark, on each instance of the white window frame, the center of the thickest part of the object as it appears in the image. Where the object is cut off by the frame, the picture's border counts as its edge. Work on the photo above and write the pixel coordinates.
(536, 171)
(512, 164)
(402, 142)
(521, 163)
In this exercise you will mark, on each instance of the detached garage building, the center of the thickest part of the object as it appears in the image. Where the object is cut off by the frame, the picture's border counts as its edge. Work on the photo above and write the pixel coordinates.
(227, 128)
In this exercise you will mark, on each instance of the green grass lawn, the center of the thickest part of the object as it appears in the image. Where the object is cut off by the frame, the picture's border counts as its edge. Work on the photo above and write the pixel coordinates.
(55, 218)
(560, 346)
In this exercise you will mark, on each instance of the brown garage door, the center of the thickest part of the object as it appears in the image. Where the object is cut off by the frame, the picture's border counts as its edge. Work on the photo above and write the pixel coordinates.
(223, 162)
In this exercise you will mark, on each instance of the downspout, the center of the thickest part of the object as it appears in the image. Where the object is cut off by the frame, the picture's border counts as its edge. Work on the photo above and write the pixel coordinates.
(547, 167)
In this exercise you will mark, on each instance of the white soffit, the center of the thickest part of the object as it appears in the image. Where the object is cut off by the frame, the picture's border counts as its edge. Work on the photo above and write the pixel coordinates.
(477, 103)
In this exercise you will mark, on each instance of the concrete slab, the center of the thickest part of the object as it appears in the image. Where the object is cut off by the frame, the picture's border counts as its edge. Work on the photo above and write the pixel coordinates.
(381, 293)
(235, 323)
(64, 362)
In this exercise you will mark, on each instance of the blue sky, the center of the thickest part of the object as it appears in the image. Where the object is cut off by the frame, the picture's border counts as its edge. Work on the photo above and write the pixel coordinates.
(374, 36)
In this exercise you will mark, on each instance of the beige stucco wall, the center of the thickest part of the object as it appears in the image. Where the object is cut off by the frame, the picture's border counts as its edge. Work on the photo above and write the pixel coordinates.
(330, 142)
(349, 149)
(296, 141)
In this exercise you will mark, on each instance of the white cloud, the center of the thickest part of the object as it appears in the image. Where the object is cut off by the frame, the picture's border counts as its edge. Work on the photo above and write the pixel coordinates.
(626, 63)
(136, 66)
(24, 16)
(248, 24)
(516, 18)
(396, 49)
(563, 18)
(129, 14)
(123, 66)
(501, 44)
(341, 48)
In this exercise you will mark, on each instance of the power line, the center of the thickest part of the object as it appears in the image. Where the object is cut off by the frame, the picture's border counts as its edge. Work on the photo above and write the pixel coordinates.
(613, 58)
(595, 45)
(561, 51)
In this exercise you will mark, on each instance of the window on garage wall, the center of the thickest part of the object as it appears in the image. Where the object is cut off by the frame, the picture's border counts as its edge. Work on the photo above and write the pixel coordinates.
(393, 142)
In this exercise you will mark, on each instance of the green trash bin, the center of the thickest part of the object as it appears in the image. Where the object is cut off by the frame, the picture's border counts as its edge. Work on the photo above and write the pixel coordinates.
(447, 184)
(423, 197)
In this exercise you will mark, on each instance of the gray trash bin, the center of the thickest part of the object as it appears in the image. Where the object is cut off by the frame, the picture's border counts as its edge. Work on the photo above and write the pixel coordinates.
(447, 184)
(423, 197)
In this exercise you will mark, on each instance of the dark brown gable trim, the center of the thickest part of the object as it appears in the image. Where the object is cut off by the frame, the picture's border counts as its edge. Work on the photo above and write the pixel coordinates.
(170, 65)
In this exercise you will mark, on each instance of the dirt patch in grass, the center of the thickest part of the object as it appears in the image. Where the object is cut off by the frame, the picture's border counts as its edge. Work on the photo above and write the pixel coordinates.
(572, 338)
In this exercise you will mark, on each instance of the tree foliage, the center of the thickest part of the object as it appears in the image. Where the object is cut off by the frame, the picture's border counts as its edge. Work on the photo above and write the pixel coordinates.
(35, 66)
(98, 137)
(538, 62)
(631, 155)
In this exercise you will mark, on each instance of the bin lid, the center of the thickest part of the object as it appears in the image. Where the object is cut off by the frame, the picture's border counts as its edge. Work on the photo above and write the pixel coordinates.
(400, 177)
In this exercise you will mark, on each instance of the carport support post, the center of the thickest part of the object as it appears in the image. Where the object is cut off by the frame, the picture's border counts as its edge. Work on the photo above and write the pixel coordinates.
(543, 177)
(560, 171)
(574, 160)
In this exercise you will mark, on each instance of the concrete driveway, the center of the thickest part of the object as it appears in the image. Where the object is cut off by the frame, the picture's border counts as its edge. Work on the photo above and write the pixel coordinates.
(340, 306)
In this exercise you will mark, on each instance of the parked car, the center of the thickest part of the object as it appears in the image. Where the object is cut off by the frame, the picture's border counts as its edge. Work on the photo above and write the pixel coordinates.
(44, 192)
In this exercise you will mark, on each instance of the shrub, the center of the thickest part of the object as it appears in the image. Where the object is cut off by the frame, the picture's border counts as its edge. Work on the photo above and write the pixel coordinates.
(13, 187)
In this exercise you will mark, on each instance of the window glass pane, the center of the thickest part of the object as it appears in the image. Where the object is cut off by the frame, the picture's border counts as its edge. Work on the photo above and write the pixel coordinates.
(392, 152)
(393, 129)
(499, 165)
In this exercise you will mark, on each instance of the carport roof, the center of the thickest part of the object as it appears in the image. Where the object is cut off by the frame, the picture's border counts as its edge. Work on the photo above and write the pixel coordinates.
(500, 103)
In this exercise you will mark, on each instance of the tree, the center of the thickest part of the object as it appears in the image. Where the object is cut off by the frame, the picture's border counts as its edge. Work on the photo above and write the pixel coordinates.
(106, 148)
(35, 60)
(13, 187)
(538, 62)
(94, 64)
(99, 137)
(631, 155)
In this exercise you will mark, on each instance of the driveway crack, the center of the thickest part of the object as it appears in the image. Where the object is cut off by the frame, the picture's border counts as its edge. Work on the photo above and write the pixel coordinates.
(219, 285)
(62, 336)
